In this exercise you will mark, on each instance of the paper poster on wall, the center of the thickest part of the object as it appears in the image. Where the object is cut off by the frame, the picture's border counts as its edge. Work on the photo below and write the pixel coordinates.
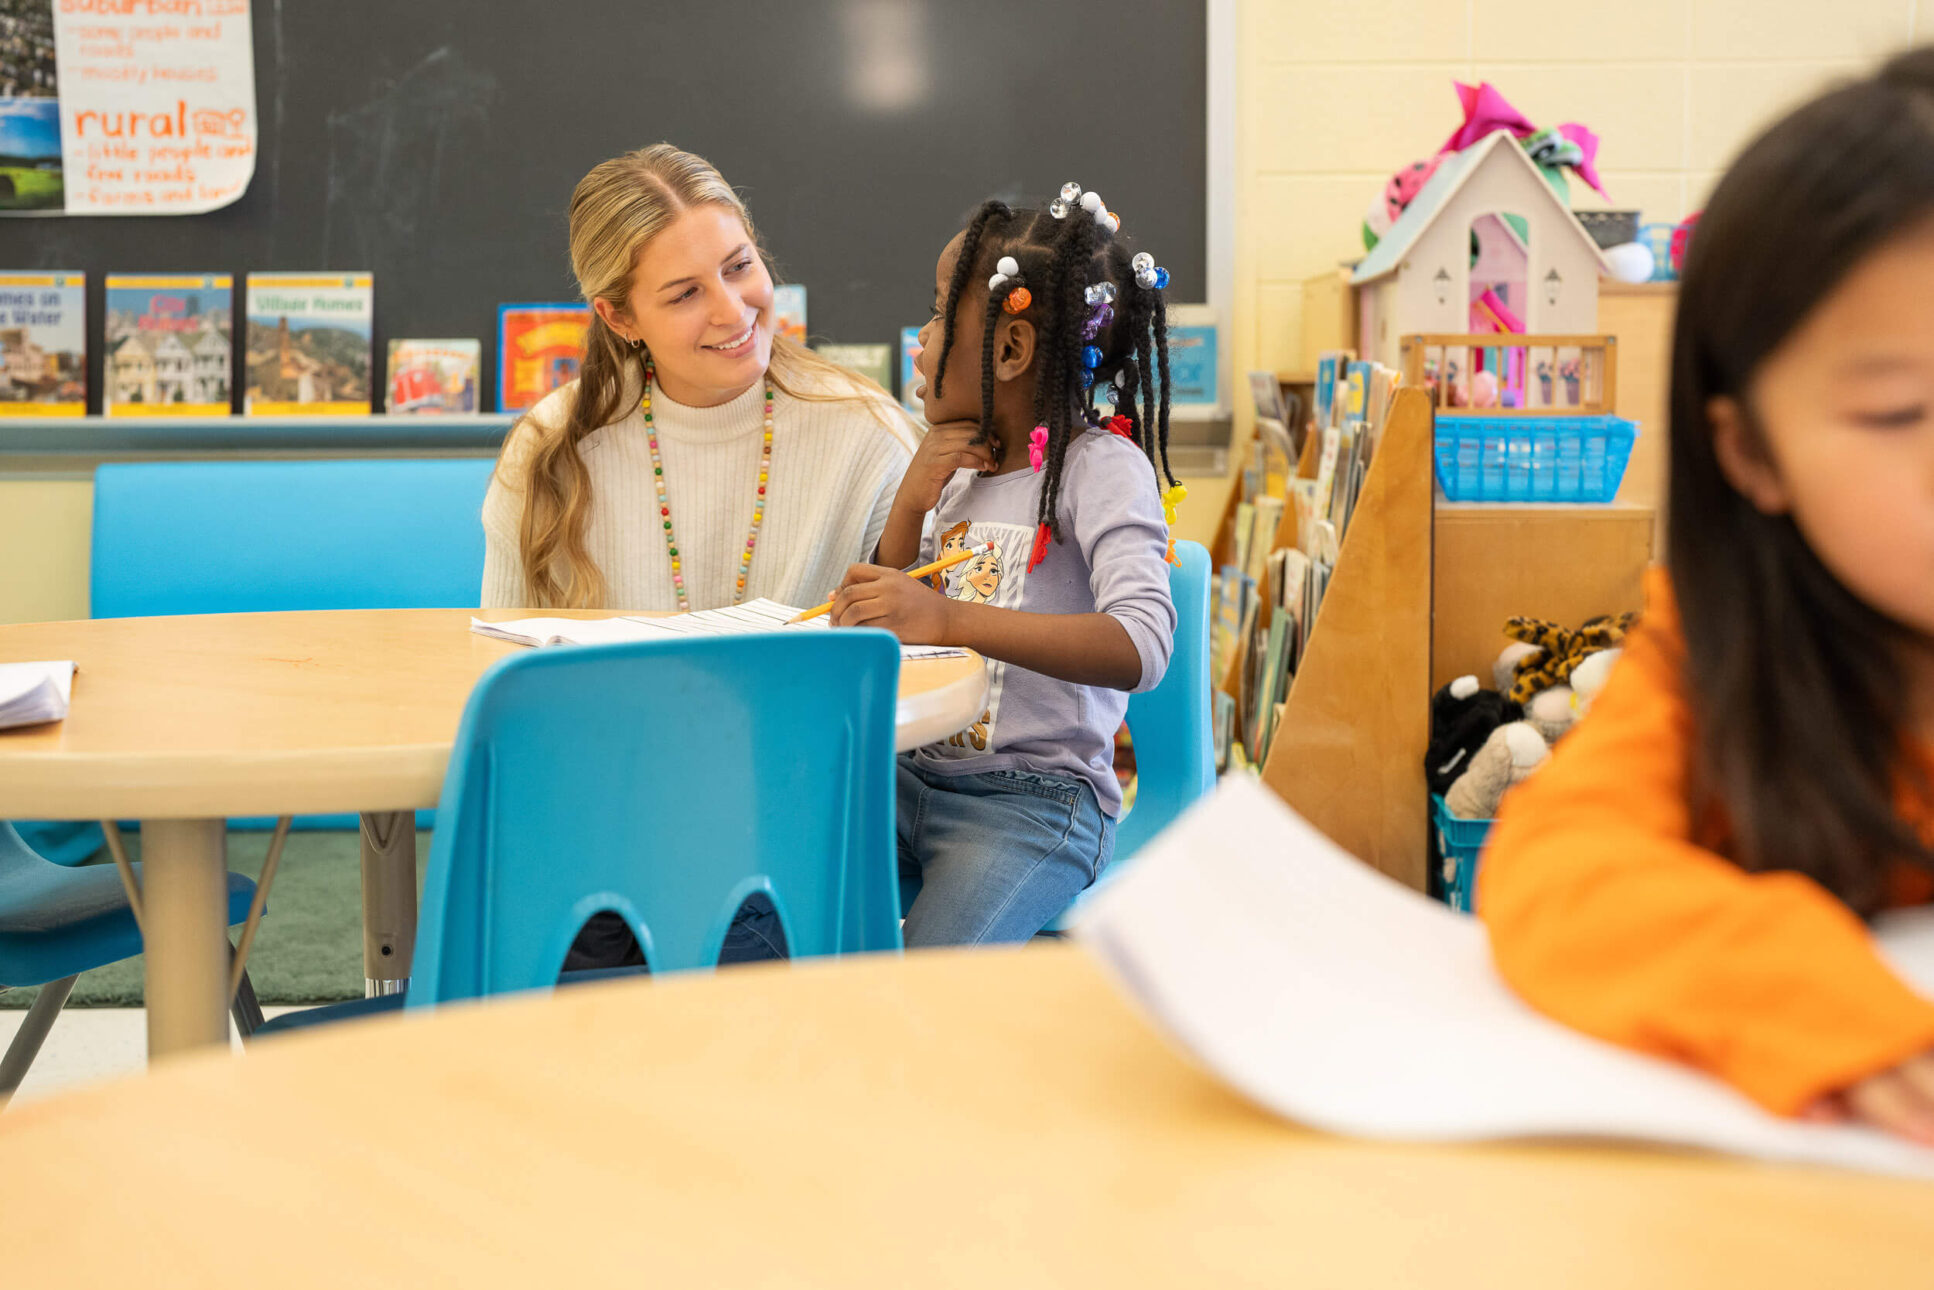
(125, 107)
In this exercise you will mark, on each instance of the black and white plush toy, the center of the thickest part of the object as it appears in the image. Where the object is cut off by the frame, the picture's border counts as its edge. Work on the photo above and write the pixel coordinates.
(1462, 716)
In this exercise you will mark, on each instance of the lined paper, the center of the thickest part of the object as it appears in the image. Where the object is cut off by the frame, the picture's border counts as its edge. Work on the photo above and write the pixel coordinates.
(1337, 998)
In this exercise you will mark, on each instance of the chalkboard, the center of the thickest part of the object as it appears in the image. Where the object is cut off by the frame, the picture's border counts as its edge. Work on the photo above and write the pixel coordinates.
(436, 143)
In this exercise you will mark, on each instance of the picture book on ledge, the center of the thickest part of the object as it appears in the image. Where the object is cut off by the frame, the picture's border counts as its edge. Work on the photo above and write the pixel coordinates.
(43, 344)
(308, 344)
(539, 348)
(170, 347)
(432, 377)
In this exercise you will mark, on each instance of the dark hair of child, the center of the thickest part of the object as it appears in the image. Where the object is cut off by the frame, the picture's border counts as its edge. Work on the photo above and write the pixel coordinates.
(1795, 684)
(1061, 259)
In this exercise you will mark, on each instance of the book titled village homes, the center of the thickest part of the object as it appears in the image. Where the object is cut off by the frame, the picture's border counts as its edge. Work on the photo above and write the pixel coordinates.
(308, 344)
(170, 345)
(43, 344)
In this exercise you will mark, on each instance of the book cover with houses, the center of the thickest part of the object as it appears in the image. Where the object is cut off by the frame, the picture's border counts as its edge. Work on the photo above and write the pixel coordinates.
(170, 345)
(308, 343)
(43, 344)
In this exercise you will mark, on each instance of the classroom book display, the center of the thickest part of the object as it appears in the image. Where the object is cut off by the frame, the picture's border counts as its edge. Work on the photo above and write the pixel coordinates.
(1345, 744)
(1293, 511)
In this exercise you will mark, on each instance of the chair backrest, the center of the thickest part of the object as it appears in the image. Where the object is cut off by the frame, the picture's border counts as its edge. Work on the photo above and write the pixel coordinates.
(665, 781)
(248, 536)
(1171, 724)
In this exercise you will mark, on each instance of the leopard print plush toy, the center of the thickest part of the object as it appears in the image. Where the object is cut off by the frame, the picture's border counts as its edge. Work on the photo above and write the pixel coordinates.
(1557, 650)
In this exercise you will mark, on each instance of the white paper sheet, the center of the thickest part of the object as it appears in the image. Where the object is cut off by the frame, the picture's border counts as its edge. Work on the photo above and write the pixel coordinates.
(755, 616)
(1339, 999)
(32, 694)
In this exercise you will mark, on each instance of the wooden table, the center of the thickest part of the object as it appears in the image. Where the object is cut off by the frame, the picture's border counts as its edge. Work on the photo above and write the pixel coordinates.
(184, 722)
(957, 1118)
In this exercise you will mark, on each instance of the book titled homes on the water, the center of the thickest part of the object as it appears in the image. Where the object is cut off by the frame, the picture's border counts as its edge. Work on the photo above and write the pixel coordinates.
(308, 344)
(170, 345)
(43, 344)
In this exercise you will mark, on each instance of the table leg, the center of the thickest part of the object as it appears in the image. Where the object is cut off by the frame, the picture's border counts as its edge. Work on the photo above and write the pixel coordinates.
(184, 897)
(389, 900)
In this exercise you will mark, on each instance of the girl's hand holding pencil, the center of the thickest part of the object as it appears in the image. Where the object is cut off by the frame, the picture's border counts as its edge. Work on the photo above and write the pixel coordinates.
(900, 602)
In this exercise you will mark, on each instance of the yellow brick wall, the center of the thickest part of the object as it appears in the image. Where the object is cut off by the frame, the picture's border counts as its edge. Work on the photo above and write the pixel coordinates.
(1335, 97)
(45, 528)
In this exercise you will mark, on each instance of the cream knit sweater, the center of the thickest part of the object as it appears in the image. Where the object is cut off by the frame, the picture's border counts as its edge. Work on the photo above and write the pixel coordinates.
(835, 468)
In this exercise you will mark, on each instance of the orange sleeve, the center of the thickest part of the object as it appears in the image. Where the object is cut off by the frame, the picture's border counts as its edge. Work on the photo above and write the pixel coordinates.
(1604, 914)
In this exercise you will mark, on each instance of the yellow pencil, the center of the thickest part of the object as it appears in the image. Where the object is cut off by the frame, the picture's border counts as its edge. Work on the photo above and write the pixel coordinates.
(958, 557)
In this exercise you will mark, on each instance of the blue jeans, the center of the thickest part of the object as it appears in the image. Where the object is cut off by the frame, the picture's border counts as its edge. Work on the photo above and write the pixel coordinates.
(997, 854)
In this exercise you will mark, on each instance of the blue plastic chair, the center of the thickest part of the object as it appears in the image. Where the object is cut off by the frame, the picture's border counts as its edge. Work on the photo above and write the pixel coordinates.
(57, 922)
(1172, 725)
(666, 781)
(234, 537)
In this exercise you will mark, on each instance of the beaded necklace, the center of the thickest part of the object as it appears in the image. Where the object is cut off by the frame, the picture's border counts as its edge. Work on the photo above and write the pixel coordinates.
(665, 509)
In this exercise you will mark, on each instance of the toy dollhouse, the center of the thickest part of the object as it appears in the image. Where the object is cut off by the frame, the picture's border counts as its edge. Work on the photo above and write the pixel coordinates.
(1486, 246)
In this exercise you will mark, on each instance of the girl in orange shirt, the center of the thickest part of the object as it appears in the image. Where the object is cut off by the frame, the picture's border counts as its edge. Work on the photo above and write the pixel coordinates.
(1690, 874)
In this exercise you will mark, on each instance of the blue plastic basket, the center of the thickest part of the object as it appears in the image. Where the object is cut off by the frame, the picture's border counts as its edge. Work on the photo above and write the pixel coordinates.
(1459, 841)
(1532, 458)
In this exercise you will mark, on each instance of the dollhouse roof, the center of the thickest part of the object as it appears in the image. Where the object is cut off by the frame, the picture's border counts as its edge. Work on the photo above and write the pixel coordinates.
(1451, 175)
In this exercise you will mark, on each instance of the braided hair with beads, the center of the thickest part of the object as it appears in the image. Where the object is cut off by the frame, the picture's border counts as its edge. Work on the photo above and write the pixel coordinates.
(1101, 329)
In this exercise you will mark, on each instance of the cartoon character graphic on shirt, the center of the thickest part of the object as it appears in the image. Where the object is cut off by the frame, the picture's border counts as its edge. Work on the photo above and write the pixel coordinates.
(954, 540)
(979, 582)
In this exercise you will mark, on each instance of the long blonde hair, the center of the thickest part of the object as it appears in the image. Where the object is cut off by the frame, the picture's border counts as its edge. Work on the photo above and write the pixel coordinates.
(616, 210)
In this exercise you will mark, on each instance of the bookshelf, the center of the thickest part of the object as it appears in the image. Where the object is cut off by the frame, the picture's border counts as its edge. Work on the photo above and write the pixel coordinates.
(104, 438)
(1349, 748)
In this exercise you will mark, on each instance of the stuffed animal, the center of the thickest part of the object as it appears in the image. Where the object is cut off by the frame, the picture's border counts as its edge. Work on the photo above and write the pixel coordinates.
(1552, 712)
(1462, 717)
(1510, 755)
(1556, 651)
(1589, 677)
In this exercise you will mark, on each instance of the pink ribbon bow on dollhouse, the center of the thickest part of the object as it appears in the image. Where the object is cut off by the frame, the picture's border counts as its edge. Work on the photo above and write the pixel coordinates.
(1485, 110)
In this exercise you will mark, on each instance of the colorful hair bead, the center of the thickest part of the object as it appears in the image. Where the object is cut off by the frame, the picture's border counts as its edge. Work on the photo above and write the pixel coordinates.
(1101, 293)
(1121, 425)
(1041, 537)
(996, 282)
(1037, 447)
(1017, 300)
(1161, 279)
(1090, 357)
(1143, 260)
(1009, 266)
(1092, 203)
(1071, 192)
(1058, 208)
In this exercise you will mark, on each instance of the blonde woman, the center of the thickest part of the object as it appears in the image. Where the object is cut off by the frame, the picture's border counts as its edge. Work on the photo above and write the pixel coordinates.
(698, 460)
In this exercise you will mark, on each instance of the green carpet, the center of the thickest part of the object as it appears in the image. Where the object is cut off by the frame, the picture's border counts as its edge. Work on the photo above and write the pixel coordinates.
(310, 948)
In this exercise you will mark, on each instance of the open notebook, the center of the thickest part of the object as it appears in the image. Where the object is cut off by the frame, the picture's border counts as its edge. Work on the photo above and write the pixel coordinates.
(1339, 999)
(735, 620)
(34, 693)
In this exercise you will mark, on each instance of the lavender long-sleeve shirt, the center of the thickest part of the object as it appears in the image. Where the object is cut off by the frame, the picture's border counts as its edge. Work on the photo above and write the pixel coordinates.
(1111, 560)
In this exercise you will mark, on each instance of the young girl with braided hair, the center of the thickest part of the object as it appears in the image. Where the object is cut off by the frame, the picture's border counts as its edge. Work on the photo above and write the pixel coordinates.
(1048, 309)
